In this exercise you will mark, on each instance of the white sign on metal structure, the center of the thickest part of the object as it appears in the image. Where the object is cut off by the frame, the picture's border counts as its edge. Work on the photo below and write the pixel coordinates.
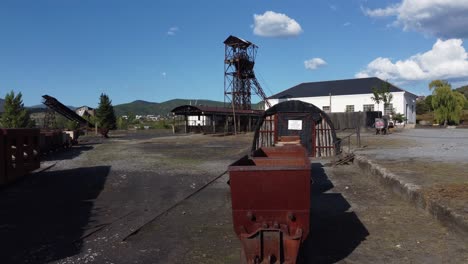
(295, 124)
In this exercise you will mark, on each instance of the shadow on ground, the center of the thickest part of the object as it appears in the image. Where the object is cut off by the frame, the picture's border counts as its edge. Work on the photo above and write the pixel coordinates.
(44, 217)
(334, 232)
(69, 153)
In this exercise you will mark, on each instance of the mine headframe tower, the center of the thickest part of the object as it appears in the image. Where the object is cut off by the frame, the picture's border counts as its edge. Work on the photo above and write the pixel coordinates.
(239, 75)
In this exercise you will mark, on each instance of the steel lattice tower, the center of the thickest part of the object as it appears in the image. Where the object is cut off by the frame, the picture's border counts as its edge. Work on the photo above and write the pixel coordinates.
(239, 76)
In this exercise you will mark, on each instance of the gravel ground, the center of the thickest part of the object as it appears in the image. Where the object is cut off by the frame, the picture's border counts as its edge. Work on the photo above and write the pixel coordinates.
(439, 145)
(102, 191)
(353, 220)
(435, 161)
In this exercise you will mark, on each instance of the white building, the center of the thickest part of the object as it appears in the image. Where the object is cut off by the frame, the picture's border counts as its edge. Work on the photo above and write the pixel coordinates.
(353, 95)
(85, 111)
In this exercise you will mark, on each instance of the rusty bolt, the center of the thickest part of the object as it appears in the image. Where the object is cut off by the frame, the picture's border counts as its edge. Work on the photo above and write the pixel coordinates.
(291, 217)
(250, 216)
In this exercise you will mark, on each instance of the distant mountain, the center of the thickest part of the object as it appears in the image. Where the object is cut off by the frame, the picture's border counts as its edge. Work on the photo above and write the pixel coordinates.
(463, 90)
(141, 107)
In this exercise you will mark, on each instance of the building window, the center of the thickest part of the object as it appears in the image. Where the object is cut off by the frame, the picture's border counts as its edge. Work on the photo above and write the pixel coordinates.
(368, 107)
(326, 109)
(350, 108)
(388, 109)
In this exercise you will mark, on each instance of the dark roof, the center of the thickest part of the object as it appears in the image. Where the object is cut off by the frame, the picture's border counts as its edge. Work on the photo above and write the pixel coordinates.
(338, 87)
(85, 106)
(205, 110)
(234, 41)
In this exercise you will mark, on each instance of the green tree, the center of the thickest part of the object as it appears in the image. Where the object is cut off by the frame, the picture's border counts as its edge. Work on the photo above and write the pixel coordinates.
(448, 105)
(382, 94)
(105, 115)
(15, 115)
(122, 123)
(428, 102)
(400, 118)
(422, 107)
(72, 125)
(376, 97)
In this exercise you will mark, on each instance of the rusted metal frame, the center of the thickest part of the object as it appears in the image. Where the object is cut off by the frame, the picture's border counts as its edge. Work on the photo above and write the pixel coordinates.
(259, 244)
(3, 175)
(276, 118)
(19, 153)
(319, 140)
(66, 112)
(326, 138)
(312, 143)
(296, 112)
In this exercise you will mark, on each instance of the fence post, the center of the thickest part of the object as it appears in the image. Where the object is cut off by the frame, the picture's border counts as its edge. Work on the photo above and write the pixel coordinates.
(358, 131)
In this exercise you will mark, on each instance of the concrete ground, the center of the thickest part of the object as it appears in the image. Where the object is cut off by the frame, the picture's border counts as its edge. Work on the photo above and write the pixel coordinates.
(433, 162)
(138, 198)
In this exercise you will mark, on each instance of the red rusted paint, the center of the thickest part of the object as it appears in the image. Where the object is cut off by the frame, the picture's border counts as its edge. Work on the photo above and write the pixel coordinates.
(20, 153)
(271, 203)
(281, 152)
(3, 178)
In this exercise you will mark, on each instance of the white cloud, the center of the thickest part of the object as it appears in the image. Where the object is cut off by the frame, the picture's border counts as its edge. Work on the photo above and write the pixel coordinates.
(441, 18)
(446, 60)
(383, 12)
(272, 24)
(164, 74)
(314, 63)
(172, 31)
(347, 24)
(333, 7)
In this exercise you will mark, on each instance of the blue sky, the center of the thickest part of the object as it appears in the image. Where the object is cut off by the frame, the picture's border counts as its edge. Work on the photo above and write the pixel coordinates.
(159, 50)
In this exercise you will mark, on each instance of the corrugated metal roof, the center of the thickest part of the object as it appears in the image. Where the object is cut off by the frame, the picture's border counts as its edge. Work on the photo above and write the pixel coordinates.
(337, 87)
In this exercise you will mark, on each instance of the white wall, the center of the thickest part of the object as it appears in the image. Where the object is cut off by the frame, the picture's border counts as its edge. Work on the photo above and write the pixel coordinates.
(410, 103)
(339, 103)
(194, 120)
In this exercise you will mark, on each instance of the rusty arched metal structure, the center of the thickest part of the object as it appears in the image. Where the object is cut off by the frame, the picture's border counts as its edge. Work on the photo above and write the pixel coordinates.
(297, 120)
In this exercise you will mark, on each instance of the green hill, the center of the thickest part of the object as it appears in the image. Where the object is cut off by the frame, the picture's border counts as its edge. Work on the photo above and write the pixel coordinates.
(463, 90)
(141, 107)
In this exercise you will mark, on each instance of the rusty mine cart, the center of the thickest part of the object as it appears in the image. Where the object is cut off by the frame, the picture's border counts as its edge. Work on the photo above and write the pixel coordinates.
(270, 188)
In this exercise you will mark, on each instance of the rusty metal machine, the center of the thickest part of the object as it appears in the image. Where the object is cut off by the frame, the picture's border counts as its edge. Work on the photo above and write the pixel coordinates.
(270, 203)
(19, 153)
(270, 188)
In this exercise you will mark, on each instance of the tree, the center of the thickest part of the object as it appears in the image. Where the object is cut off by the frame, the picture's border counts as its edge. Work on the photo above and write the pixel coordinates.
(428, 102)
(15, 115)
(386, 95)
(122, 123)
(376, 97)
(422, 107)
(448, 104)
(105, 115)
(400, 118)
(382, 94)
